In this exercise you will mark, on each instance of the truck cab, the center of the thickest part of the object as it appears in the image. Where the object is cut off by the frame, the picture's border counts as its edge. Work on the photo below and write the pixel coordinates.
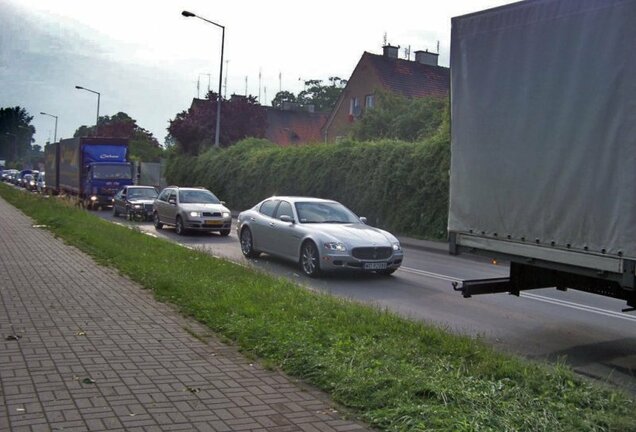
(103, 179)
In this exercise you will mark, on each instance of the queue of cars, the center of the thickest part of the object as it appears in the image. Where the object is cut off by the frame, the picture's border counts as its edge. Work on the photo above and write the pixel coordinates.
(319, 235)
(27, 179)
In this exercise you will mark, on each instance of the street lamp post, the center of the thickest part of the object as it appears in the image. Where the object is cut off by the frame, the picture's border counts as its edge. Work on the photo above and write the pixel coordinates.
(218, 96)
(98, 97)
(55, 117)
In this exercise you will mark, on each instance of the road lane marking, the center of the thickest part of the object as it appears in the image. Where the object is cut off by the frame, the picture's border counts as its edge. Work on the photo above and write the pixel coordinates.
(430, 274)
(579, 306)
(536, 297)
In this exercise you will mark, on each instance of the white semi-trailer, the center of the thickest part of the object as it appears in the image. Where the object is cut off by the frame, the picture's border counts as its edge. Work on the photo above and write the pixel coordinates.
(543, 165)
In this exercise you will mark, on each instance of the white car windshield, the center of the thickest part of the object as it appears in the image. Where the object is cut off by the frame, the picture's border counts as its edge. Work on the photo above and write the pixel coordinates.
(197, 197)
(324, 212)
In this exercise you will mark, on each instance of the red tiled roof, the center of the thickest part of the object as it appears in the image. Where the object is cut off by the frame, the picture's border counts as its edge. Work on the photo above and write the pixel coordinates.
(410, 78)
(288, 128)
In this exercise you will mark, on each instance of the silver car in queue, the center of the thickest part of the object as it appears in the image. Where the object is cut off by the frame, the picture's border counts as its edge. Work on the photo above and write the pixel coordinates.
(191, 209)
(320, 235)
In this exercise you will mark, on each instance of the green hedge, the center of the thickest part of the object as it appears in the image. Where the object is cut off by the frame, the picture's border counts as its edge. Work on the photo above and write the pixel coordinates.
(400, 186)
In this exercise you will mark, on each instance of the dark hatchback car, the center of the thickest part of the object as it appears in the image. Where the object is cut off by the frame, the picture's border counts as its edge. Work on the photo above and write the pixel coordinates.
(135, 202)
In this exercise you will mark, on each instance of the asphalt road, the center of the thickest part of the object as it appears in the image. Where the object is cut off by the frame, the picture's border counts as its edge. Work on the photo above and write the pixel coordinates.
(587, 331)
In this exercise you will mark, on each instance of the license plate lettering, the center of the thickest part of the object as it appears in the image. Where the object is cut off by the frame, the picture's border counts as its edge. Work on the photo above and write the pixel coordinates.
(375, 266)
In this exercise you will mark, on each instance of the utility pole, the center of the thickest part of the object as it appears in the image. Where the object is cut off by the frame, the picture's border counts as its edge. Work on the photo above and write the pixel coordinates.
(259, 85)
(225, 87)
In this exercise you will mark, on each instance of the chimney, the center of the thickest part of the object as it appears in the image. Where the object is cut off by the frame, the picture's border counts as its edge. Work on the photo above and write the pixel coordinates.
(427, 58)
(390, 51)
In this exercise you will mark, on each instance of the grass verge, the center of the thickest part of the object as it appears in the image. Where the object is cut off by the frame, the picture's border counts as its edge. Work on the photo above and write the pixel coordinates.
(396, 374)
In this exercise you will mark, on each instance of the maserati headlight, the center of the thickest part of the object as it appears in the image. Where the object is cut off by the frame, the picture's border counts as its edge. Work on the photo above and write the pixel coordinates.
(396, 246)
(226, 215)
(195, 214)
(335, 246)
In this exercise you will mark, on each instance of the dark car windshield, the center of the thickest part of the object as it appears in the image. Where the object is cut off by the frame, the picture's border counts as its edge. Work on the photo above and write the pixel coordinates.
(197, 197)
(107, 172)
(142, 193)
(324, 212)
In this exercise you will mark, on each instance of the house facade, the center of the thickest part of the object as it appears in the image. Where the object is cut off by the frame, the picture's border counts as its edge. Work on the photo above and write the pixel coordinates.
(421, 77)
(289, 127)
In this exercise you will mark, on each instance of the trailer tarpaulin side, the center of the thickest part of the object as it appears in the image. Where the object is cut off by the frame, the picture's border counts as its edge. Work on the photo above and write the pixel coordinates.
(544, 123)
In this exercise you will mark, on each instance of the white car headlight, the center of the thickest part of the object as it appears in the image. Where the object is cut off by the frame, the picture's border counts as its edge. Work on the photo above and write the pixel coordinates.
(226, 214)
(396, 246)
(137, 206)
(195, 214)
(335, 246)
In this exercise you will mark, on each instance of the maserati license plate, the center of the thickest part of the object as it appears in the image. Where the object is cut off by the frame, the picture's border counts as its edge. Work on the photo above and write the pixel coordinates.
(375, 266)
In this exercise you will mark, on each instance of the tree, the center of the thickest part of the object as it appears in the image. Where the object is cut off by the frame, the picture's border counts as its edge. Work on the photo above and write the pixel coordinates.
(399, 117)
(16, 134)
(142, 144)
(169, 142)
(194, 129)
(322, 97)
(282, 97)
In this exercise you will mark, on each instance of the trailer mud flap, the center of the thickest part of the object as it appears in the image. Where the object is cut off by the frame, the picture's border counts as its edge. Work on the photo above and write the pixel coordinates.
(469, 288)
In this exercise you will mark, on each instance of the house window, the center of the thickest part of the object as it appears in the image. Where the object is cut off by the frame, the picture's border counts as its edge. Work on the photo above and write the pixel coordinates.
(354, 105)
(369, 101)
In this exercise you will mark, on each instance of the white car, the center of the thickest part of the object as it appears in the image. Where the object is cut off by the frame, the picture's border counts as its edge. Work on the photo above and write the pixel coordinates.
(191, 209)
(320, 235)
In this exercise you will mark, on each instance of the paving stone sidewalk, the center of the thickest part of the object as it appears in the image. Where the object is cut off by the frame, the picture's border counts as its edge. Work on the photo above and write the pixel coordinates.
(96, 352)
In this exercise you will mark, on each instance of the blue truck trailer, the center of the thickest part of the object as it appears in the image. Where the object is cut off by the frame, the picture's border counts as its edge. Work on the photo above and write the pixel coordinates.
(91, 169)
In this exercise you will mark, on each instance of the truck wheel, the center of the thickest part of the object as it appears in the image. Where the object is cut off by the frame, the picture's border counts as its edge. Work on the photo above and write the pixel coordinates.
(128, 215)
(178, 227)
(157, 221)
(115, 212)
(224, 233)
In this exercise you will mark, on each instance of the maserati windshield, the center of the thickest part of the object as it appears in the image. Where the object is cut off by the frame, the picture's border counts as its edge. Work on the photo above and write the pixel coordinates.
(324, 212)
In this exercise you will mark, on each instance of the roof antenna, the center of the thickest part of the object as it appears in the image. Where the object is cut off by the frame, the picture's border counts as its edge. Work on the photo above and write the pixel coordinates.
(384, 43)
(437, 47)
(407, 52)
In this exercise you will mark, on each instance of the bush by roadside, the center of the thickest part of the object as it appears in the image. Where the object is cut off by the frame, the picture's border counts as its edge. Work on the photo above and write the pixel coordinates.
(399, 186)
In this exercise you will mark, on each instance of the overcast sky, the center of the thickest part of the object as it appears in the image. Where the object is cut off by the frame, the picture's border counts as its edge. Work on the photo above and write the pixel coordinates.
(145, 58)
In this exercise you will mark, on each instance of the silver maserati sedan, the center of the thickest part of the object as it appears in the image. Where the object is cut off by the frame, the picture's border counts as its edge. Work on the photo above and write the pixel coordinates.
(320, 235)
